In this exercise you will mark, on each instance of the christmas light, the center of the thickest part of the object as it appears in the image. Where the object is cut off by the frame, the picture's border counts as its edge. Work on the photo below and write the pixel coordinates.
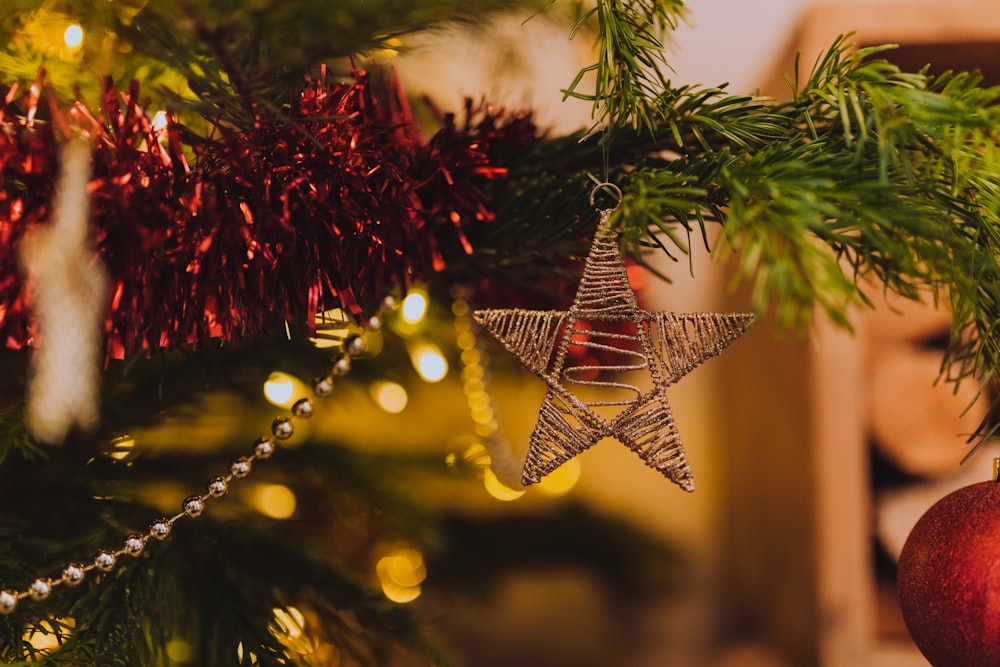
(73, 37)
(498, 489)
(273, 500)
(401, 572)
(121, 447)
(390, 396)
(179, 650)
(279, 389)
(414, 307)
(429, 362)
(561, 480)
(289, 621)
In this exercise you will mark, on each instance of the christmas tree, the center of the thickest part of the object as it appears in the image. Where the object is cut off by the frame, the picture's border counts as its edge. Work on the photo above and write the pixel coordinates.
(195, 197)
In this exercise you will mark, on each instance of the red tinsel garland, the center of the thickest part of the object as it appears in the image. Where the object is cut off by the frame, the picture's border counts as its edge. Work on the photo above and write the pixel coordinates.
(347, 201)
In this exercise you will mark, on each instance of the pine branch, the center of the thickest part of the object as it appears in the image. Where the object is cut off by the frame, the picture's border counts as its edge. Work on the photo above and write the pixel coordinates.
(629, 69)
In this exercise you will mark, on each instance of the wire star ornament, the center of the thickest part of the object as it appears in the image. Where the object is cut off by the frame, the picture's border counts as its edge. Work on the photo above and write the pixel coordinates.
(581, 406)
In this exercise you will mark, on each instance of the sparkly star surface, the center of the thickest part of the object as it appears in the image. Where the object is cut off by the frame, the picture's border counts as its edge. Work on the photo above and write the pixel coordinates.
(605, 332)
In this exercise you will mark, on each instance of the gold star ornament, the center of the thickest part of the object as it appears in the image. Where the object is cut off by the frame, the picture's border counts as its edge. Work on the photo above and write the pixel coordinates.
(597, 357)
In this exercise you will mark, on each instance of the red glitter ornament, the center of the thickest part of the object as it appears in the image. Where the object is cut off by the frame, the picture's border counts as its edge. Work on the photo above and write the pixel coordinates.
(949, 579)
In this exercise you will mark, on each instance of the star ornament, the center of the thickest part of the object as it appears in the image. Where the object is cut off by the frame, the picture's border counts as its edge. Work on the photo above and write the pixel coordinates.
(635, 346)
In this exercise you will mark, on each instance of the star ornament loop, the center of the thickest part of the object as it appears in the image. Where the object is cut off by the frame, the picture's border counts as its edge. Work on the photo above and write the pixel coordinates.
(637, 348)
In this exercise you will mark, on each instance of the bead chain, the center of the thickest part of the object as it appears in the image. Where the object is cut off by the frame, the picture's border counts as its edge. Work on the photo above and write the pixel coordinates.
(282, 428)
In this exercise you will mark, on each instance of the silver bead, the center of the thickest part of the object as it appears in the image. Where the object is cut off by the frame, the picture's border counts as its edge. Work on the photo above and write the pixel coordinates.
(217, 487)
(8, 602)
(40, 589)
(282, 428)
(323, 386)
(160, 529)
(303, 408)
(73, 574)
(193, 506)
(240, 467)
(355, 345)
(105, 560)
(263, 447)
(340, 365)
(373, 323)
(134, 544)
(388, 304)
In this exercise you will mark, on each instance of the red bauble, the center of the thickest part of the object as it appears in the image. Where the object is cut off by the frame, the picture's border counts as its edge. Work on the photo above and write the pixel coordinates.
(949, 579)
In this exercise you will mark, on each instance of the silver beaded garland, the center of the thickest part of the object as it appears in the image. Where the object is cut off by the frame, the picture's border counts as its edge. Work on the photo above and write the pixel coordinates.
(282, 428)
(340, 365)
(240, 468)
(355, 345)
(303, 408)
(193, 506)
(73, 574)
(8, 602)
(263, 448)
(323, 386)
(105, 560)
(160, 529)
(135, 544)
(40, 589)
(217, 487)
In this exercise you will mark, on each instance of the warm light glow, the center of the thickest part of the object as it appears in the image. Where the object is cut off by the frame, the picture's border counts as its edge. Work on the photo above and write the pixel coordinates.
(179, 650)
(274, 500)
(121, 447)
(498, 489)
(289, 621)
(160, 121)
(414, 307)
(401, 573)
(279, 389)
(477, 455)
(429, 362)
(561, 480)
(390, 396)
(400, 594)
(73, 36)
(44, 638)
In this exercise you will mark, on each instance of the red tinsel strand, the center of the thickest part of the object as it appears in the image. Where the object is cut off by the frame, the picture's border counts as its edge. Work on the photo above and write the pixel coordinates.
(343, 204)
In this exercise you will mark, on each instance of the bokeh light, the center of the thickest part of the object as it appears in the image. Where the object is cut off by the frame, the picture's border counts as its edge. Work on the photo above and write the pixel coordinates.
(429, 362)
(273, 500)
(401, 572)
(414, 307)
(498, 489)
(389, 396)
(73, 36)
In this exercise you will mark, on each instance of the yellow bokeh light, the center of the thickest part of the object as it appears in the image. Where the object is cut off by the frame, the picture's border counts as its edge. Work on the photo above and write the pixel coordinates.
(274, 500)
(289, 621)
(401, 572)
(498, 489)
(73, 36)
(282, 389)
(44, 637)
(429, 362)
(179, 650)
(561, 480)
(400, 594)
(159, 121)
(414, 307)
(390, 396)
(121, 447)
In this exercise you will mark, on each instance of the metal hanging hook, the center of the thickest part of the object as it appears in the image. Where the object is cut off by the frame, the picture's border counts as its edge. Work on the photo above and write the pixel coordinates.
(612, 188)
